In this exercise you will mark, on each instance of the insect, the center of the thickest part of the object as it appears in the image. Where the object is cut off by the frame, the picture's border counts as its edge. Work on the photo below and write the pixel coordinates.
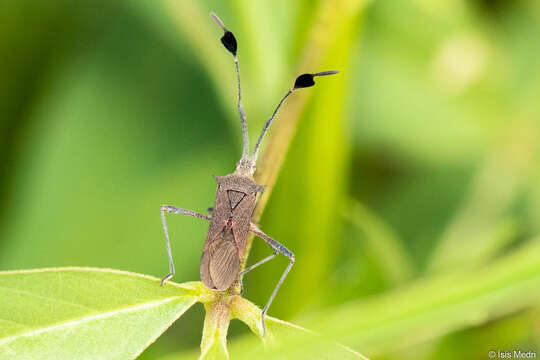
(230, 218)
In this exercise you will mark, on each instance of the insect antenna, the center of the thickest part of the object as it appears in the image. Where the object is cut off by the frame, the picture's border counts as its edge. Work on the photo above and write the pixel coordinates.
(302, 81)
(229, 41)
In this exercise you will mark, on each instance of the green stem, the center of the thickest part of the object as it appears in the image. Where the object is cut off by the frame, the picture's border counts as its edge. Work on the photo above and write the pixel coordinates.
(331, 18)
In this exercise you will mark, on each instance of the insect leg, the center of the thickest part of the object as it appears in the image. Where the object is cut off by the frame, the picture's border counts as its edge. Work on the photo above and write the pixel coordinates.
(241, 275)
(281, 249)
(174, 210)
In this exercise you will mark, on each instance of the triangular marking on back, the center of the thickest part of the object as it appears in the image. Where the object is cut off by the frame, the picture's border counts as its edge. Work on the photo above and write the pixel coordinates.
(235, 197)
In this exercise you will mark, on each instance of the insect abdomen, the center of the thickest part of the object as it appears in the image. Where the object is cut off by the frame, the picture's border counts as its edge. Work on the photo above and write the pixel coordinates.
(220, 262)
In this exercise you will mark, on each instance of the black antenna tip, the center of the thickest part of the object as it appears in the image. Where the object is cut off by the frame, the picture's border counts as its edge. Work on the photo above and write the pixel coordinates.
(229, 41)
(306, 80)
(303, 81)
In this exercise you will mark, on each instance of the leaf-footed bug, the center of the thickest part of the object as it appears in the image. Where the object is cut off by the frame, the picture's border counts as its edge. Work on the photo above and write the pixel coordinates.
(230, 219)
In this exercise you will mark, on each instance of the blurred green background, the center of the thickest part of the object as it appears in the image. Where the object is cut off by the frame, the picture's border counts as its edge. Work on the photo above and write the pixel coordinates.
(418, 164)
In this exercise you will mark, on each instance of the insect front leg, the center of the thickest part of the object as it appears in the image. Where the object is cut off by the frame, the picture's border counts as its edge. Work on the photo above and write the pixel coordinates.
(277, 247)
(174, 210)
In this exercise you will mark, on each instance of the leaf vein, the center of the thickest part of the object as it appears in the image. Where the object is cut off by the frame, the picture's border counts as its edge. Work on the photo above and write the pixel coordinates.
(87, 319)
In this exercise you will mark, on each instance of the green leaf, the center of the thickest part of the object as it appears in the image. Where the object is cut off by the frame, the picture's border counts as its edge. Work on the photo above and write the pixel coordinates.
(432, 307)
(83, 313)
(284, 340)
(278, 333)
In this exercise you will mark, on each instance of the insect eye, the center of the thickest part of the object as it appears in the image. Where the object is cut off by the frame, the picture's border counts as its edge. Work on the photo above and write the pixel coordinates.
(303, 81)
(229, 41)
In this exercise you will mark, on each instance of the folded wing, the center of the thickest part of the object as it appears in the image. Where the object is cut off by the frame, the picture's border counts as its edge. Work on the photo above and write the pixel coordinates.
(220, 262)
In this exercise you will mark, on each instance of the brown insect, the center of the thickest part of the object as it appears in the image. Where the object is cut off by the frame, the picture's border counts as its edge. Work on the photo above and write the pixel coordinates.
(230, 218)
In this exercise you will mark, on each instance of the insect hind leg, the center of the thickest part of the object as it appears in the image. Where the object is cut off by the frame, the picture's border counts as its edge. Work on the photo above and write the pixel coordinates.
(174, 210)
(277, 248)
